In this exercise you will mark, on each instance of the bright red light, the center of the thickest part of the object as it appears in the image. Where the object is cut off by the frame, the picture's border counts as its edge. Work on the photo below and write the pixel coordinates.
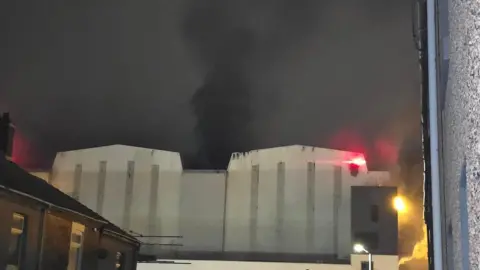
(359, 161)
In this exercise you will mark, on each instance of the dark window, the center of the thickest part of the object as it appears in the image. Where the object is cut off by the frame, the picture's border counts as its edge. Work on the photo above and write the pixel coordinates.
(17, 244)
(120, 261)
(364, 265)
(374, 213)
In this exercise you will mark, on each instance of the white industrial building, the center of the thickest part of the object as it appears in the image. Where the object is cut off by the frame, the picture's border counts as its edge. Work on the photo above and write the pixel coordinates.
(381, 262)
(293, 199)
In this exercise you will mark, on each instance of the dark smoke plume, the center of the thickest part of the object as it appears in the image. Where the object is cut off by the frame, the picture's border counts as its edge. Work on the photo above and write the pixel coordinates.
(222, 108)
(222, 104)
(230, 39)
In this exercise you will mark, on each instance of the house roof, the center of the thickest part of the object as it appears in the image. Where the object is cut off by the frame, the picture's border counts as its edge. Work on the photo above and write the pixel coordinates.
(15, 178)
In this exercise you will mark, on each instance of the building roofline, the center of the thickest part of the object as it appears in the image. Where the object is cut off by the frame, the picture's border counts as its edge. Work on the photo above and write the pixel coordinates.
(63, 209)
(51, 205)
(33, 183)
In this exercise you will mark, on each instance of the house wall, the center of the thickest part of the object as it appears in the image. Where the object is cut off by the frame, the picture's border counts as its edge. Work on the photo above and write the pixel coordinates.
(112, 245)
(33, 219)
(56, 235)
(56, 243)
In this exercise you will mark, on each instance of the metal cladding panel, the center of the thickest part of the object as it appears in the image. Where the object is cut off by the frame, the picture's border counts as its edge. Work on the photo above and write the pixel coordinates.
(114, 196)
(337, 200)
(295, 156)
(88, 186)
(77, 182)
(295, 224)
(324, 218)
(280, 211)
(254, 207)
(310, 210)
(102, 175)
(267, 210)
(153, 227)
(237, 222)
(202, 210)
(117, 180)
(119, 154)
(168, 207)
(127, 208)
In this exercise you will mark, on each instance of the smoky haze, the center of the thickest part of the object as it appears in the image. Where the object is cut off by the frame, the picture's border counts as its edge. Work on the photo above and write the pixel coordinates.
(229, 39)
(207, 78)
(210, 77)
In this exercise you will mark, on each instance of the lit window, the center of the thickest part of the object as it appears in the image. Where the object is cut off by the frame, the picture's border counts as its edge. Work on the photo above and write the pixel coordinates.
(76, 247)
(120, 261)
(17, 244)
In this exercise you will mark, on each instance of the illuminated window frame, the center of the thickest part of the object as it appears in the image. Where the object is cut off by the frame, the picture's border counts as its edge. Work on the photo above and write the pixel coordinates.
(119, 261)
(76, 246)
(18, 228)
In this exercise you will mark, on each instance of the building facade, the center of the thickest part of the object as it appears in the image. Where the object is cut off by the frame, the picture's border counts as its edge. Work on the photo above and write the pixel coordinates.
(281, 204)
(375, 219)
(43, 228)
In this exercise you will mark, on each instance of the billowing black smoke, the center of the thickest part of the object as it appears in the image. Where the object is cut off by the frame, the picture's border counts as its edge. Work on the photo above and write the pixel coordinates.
(229, 39)
(222, 108)
(222, 104)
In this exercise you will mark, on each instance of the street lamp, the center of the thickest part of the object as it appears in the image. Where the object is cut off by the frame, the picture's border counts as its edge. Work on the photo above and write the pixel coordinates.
(399, 204)
(359, 248)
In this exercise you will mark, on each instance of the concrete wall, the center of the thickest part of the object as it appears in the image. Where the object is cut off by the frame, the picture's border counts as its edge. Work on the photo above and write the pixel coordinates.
(281, 205)
(380, 262)
(137, 189)
(382, 225)
(293, 199)
(202, 208)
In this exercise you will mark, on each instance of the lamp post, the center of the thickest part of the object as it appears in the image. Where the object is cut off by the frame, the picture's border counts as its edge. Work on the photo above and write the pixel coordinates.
(359, 248)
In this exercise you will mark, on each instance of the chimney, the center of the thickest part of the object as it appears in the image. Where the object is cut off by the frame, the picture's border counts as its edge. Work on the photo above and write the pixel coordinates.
(7, 132)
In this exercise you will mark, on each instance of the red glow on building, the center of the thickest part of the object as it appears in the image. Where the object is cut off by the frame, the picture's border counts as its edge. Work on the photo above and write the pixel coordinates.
(359, 161)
